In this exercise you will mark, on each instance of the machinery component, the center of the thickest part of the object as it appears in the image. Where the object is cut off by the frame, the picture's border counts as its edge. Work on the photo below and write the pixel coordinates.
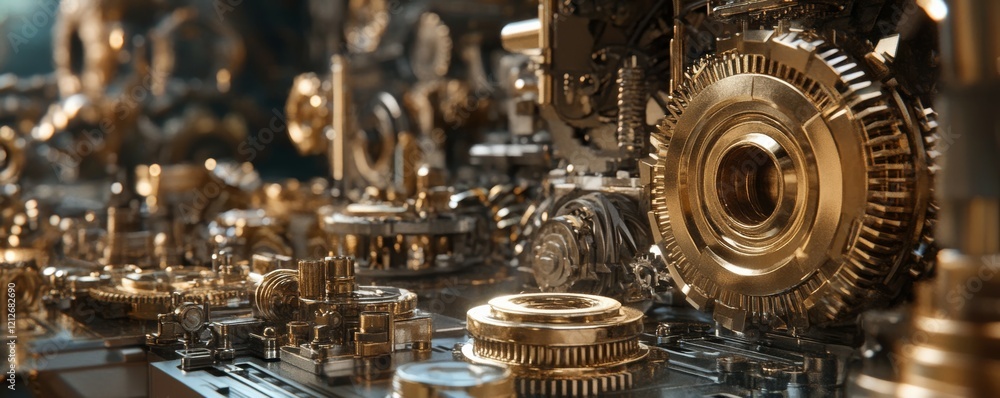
(631, 109)
(196, 193)
(770, 367)
(588, 245)
(432, 46)
(346, 320)
(592, 58)
(196, 135)
(789, 191)
(558, 344)
(379, 152)
(184, 33)
(372, 148)
(249, 232)
(276, 297)
(86, 52)
(83, 238)
(445, 378)
(426, 235)
(20, 269)
(127, 241)
(507, 205)
(308, 110)
(950, 320)
(948, 348)
(783, 185)
(393, 240)
(186, 319)
(366, 24)
(968, 180)
(12, 157)
(772, 10)
(342, 122)
(148, 292)
(182, 198)
(878, 373)
(84, 135)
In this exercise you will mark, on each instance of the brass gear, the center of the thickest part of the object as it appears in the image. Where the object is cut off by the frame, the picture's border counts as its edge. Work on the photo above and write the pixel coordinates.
(432, 47)
(783, 185)
(558, 344)
(157, 288)
(308, 109)
(114, 294)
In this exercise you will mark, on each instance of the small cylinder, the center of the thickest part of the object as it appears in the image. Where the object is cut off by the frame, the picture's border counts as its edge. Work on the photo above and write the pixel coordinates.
(298, 332)
(523, 37)
(312, 279)
(451, 378)
(340, 277)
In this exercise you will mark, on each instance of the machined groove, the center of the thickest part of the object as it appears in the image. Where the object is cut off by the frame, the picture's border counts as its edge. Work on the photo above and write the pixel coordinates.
(835, 289)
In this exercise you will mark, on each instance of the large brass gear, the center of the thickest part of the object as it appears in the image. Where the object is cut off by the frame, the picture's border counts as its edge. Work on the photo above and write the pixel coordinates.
(786, 187)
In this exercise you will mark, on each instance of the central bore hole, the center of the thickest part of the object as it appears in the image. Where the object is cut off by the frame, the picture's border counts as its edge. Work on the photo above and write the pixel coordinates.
(749, 184)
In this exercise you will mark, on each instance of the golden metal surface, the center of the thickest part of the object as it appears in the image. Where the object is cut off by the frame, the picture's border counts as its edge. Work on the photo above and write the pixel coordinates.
(779, 198)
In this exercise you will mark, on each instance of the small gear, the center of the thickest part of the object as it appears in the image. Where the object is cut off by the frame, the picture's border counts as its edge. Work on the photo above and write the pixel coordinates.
(431, 56)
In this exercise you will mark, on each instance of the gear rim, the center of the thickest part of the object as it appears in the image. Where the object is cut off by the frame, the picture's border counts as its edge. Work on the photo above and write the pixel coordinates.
(840, 91)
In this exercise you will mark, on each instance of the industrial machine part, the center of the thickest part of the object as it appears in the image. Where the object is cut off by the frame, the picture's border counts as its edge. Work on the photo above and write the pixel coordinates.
(774, 10)
(772, 162)
(395, 240)
(945, 347)
(950, 320)
(146, 293)
(593, 84)
(560, 344)
(22, 267)
(436, 378)
(437, 231)
(248, 232)
(366, 24)
(308, 111)
(375, 142)
(593, 243)
(11, 155)
(87, 43)
(334, 318)
(788, 185)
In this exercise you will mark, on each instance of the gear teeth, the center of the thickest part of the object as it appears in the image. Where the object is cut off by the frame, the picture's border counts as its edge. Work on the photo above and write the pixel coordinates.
(559, 357)
(113, 294)
(575, 387)
(834, 82)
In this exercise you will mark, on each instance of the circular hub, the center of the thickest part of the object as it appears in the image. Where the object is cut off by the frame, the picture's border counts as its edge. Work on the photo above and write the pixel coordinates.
(559, 343)
(555, 330)
(444, 378)
(749, 183)
(784, 191)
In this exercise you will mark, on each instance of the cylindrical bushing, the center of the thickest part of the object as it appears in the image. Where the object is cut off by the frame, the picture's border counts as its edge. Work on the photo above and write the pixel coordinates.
(339, 277)
(312, 279)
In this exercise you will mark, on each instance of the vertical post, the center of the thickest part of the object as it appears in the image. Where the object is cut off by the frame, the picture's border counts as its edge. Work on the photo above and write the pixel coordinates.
(341, 117)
